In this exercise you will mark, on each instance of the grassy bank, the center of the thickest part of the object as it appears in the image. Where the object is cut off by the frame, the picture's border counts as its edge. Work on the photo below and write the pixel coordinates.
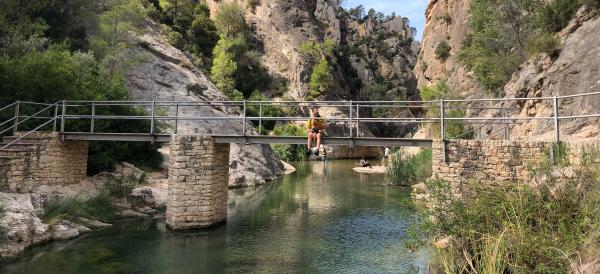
(406, 170)
(97, 206)
(550, 225)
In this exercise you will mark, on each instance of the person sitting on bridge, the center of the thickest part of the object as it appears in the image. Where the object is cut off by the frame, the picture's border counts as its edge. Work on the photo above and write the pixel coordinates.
(316, 126)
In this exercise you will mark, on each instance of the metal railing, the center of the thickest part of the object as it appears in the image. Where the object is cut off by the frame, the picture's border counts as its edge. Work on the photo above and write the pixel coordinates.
(353, 114)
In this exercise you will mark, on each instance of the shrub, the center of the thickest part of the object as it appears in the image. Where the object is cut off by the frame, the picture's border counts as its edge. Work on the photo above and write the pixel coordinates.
(544, 43)
(556, 14)
(544, 227)
(121, 187)
(176, 39)
(442, 51)
(408, 170)
(290, 152)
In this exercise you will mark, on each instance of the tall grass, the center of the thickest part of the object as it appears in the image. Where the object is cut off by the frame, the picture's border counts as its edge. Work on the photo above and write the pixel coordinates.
(408, 170)
(97, 207)
(548, 226)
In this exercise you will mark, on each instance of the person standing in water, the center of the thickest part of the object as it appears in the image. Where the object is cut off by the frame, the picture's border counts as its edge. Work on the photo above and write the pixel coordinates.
(316, 126)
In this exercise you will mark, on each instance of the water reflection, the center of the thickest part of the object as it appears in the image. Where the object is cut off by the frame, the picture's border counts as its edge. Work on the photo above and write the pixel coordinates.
(324, 218)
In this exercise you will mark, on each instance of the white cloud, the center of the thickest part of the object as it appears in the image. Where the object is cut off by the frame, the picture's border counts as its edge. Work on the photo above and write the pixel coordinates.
(413, 9)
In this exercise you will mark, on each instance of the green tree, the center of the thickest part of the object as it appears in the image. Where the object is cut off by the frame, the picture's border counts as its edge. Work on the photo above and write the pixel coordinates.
(357, 13)
(223, 69)
(117, 28)
(202, 35)
(321, 79)
(230, 20)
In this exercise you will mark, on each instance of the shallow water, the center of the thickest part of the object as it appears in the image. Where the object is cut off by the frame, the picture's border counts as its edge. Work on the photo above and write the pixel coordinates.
(324, 218)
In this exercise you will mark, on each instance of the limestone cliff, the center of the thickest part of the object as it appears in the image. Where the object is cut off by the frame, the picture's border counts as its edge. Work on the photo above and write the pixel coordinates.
(283, 26)
(573, 70)
(445, 20)
(167, 74)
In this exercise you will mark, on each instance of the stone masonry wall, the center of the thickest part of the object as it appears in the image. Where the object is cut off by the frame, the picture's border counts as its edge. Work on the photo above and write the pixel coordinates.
(50, 162)
(198, 180)
(498, 161)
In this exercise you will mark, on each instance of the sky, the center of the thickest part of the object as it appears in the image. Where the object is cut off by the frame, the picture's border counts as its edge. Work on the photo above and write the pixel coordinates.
(413, 9)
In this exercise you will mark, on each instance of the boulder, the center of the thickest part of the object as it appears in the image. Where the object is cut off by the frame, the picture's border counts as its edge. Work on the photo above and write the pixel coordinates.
(23, 228)
(141, 197)
(130, 172)
(65, 230)
(420, 188)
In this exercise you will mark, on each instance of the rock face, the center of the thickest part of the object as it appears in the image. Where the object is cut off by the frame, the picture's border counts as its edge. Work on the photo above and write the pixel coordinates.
(445, 20)
(374, 48)
(383, 49)
(168, 74)
(576, 70)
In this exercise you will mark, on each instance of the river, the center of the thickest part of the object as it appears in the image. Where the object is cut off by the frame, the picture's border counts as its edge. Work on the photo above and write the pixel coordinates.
(324, 218)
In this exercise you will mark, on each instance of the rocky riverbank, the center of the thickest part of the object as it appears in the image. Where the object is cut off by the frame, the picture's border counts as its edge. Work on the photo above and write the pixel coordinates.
(23, 220)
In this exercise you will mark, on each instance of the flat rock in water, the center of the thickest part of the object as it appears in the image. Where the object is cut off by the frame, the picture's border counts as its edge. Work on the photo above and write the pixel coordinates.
(373, 169)
(129, 213)
(93, 224)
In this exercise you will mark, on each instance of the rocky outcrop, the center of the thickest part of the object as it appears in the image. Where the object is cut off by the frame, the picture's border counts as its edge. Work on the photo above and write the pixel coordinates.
(383, 49)
(23, 227)
(445, 20)
(168, 74)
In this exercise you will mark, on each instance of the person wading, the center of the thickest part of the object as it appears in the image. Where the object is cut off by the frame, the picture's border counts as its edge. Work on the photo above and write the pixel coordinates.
(316, 126)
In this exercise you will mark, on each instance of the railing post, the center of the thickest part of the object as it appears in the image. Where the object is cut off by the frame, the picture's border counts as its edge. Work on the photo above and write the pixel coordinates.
(351, 121)
(357, 121)
(55, 116)
(62, 116)
(16, 124)
(260, 111)
(442, 120)
(152, 121)
(176, 116)
(443, 130)
(556, 120)
(506, 129)
(244, 120)
(92, 119)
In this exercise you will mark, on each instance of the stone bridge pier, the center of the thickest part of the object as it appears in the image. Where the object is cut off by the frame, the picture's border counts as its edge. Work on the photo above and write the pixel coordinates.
(41, 158)
(198, 181)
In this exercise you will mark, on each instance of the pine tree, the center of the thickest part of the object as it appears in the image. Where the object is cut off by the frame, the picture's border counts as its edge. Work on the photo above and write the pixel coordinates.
(224, 68)
(321, 79)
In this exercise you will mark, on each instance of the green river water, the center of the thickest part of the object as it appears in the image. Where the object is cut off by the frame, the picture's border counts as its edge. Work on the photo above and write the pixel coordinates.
(324, 218)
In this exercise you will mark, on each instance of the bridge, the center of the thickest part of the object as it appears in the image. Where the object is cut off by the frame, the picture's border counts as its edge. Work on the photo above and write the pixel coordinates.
(47, 143)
